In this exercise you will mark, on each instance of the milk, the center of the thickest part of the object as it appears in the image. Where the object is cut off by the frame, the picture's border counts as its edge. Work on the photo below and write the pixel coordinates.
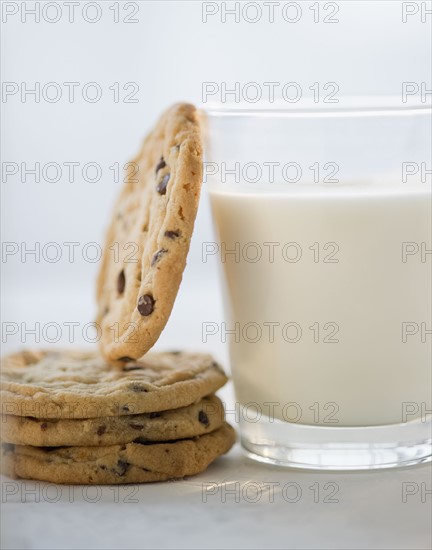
(344, 307)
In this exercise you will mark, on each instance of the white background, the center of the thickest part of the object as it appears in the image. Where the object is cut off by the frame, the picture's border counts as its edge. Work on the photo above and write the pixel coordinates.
(169, 53)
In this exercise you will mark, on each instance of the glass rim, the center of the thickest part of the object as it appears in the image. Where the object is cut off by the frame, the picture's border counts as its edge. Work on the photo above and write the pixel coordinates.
(346, 107)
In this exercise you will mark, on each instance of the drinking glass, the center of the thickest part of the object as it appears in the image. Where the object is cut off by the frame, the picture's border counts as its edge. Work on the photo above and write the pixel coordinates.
(323, 220)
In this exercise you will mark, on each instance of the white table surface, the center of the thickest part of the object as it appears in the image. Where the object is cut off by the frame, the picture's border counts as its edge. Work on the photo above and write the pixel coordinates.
(369, 512)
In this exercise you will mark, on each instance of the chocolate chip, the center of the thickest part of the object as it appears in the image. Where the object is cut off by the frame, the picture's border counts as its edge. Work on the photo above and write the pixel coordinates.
(125, 408)
(161, 164)
(137, 388)
(162, 185)
(122, 467)
(172, 234)
(44, 426)
(126, 359)
(155, 415)
(203, 418)
(121, 282)
(101, 430)
(146, 305)
(136, 426)
(158, 256)
(127, 368)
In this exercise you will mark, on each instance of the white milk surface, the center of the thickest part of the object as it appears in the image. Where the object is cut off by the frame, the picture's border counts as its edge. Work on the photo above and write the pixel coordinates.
(343, 318)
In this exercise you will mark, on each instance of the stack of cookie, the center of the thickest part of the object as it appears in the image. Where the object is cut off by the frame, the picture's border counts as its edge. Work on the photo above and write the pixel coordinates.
(121, 414)
(69, 417)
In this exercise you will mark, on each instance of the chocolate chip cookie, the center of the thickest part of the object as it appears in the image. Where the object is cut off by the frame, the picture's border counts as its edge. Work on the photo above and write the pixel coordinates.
(128, 463)
(197, 419)
(149, 235)
(81, 384)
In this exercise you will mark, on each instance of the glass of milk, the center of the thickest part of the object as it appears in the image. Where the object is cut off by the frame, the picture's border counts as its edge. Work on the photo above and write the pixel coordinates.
(323, 220)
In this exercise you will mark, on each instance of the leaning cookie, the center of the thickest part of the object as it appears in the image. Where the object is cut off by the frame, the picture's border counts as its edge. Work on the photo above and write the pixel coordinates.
(81, 384)
(129, 463)
(149, 236)
(195, 420)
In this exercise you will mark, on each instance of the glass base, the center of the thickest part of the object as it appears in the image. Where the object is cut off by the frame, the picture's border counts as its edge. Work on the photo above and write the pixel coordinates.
(337, 448)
